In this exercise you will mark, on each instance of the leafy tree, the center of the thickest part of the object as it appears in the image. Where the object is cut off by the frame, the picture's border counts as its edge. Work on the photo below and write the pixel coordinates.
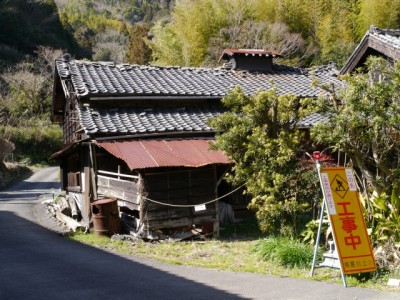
(99, 32)
(259, 136)
(260, 35)
(199, 30)
(109, 45)
(139, 51)
(298, 28)
(25, 107)
(133, 14)
(335, 37)
(193, 24)
(364, 123)
(364, 118)
(166, 47)
(382, 13)
(25, 25)
(384, 218)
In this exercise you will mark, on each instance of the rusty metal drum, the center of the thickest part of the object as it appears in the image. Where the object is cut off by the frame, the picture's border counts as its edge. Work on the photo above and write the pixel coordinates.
(105, 217)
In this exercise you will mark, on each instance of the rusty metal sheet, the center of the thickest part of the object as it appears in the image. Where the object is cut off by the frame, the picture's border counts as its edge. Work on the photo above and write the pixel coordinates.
(165, 153)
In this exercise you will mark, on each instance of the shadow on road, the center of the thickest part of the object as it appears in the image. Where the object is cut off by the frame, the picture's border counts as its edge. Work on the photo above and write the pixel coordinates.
(29, 186)
(38, 264)
(22, 195)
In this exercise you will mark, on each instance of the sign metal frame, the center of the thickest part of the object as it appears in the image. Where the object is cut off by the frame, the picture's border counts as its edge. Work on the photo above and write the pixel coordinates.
(348, 215)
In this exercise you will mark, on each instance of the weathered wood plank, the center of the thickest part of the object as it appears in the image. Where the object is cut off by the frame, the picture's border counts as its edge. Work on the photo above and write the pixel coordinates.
(168, 194)
(128, 204)
(102, 181)
(119, 188)
(180, 222)
(184, 187)
(117, 184)
(133, 198)
(168, 214)
(177, 201)
(204, 219)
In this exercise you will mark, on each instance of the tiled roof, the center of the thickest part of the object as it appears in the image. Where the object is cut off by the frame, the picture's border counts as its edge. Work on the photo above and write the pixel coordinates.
(312, 120)
(388, 36)
(385, 42)
(146, 120)
(107, 79)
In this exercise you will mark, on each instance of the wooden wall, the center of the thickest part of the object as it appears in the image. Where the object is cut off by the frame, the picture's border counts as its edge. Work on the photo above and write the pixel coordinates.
(193, 186)
(177, 186)
(126, 191)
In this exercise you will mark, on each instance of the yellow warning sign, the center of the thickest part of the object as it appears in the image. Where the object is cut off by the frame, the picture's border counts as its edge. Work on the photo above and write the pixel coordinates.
(347, 220)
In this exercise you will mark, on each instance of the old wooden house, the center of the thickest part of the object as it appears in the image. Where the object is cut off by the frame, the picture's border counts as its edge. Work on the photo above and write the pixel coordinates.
(376, 42)
(140, 133)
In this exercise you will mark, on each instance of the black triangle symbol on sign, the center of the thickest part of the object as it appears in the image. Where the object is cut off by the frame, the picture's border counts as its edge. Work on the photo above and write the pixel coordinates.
(339, 186)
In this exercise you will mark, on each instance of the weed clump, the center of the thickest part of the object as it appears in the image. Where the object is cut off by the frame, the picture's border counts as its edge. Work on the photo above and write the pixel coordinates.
(284, 251)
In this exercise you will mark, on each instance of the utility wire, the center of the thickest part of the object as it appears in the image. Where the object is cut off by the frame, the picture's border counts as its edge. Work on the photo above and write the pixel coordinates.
(193, 205)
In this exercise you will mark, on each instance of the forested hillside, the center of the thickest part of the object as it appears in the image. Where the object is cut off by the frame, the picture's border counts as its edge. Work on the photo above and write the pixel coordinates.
(25, 25)
(307, 32)
(190, 32)
(105, 29)
(89, 29)
(165, 32)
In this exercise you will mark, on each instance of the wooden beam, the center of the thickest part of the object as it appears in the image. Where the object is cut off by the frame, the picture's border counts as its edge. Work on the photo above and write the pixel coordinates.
(93, 167)
(180, 222)
(86, 192)
(216, 222)
(222, 177)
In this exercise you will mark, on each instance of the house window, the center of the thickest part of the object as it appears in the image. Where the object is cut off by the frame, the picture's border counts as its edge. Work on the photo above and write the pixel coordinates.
(73, 174)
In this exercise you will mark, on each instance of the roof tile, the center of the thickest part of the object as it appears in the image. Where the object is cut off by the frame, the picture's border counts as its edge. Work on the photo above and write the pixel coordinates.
(312, 120)
(389, 36)
(91, 78)
(145, 120)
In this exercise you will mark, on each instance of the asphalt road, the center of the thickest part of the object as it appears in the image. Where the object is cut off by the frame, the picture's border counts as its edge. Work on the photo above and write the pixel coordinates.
(36, 263)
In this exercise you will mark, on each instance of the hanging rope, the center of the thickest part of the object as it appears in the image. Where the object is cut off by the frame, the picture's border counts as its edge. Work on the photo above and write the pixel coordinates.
(193, 205)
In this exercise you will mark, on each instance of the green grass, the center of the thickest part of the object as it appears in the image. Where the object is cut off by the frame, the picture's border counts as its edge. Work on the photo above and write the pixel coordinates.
(285, 251)
(231, 255)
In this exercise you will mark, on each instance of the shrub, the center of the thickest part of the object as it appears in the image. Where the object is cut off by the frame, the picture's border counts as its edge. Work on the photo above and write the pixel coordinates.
(387, 256)
(10, 172)
(6, 148)
(383, 217)
(259, 136)
(34, 140)
(285, 251)
(309, 234)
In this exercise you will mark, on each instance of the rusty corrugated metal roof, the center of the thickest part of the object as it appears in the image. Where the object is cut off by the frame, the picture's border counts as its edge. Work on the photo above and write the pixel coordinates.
(165, 153)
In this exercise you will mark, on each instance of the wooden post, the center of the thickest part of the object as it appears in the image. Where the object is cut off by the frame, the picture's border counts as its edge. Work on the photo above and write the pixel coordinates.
(86, 192)
(216, 223)
(142, 205)
(93, 167)
(63, 175)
